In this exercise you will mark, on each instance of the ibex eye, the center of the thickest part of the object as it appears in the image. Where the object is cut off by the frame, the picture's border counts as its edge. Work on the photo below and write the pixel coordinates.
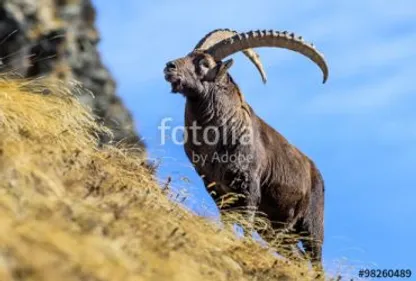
(204, 63)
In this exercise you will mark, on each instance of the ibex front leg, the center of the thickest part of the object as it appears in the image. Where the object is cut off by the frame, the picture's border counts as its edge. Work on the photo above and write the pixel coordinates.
(249, 186)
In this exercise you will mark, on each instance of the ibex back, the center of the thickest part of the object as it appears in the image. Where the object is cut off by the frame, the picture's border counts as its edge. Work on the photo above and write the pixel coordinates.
(234, 150)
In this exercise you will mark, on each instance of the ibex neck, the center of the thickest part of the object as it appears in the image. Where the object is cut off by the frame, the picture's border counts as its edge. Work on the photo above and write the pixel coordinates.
(216, 108)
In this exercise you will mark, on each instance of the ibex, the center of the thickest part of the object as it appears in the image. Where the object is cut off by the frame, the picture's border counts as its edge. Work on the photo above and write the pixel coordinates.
(234, 150)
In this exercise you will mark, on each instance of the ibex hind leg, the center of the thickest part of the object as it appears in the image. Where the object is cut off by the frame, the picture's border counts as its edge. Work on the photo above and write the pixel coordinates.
(313, 223)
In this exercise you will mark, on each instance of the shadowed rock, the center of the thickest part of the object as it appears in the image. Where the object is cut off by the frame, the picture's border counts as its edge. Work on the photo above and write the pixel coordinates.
(58, 38)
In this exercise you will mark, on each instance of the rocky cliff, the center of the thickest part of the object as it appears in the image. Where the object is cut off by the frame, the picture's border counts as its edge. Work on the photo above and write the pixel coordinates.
(58, 38)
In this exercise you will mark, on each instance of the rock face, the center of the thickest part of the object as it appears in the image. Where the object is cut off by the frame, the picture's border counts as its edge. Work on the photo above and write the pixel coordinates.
(58, 38)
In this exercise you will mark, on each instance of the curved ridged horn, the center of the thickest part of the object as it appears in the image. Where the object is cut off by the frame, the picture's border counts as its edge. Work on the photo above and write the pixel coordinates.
(270, 38)
(219, 35)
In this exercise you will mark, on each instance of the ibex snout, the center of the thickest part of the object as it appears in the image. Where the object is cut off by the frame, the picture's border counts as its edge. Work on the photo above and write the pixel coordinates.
(170, 71)
(172, 76)
(170, 66)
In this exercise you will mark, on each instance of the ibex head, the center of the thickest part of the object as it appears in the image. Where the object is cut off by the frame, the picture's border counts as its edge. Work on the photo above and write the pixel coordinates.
(190, 72)
(204, 63)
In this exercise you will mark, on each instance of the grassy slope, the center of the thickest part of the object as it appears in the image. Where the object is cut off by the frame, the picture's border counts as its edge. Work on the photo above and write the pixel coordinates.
(70, 211)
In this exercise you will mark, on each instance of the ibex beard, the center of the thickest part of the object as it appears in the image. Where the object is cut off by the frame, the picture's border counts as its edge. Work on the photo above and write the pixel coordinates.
(274, 177)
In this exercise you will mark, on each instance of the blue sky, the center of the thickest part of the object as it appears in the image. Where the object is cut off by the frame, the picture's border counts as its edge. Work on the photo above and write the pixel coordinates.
(359, 128)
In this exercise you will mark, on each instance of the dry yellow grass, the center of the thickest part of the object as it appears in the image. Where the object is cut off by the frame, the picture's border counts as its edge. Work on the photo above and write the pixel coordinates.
(72, 211)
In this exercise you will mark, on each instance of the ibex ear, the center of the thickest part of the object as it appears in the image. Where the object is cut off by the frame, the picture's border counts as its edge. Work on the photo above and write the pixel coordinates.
(223, 68)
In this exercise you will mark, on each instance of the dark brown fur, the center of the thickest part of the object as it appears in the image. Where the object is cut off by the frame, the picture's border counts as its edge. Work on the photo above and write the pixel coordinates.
(274, 176)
